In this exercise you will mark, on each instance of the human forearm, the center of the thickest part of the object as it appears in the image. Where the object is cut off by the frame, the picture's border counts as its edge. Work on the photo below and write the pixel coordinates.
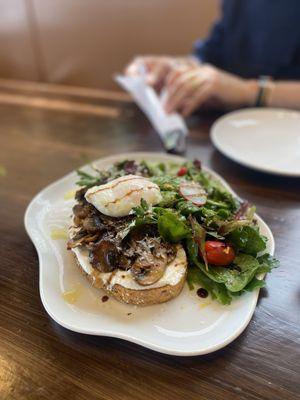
(284, 94)
(278, 93)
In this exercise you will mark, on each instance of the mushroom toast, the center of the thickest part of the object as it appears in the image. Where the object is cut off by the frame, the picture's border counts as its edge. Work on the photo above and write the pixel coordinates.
(140, 229)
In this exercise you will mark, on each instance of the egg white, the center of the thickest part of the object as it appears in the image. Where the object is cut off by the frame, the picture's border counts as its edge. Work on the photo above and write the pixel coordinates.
(119, 196)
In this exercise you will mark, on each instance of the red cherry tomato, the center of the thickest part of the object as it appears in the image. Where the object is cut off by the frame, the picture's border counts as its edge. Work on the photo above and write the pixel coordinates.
(219, 253)
(182, 171)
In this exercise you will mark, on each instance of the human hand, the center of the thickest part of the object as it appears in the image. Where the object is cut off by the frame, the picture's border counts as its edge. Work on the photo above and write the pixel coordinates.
(190, 87)
(157, 67)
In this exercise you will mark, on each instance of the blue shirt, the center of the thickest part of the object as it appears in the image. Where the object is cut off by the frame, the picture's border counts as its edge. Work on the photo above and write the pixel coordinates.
(255, 37)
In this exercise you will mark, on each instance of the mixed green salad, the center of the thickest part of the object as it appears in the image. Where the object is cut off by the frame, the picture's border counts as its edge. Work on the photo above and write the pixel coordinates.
(224, 247)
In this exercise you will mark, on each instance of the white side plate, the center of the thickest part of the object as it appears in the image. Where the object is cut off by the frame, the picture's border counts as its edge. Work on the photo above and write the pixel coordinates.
(187, 325)
(267, 140)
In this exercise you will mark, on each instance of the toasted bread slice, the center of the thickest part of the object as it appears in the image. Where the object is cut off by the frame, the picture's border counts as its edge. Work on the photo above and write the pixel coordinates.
(121, 285)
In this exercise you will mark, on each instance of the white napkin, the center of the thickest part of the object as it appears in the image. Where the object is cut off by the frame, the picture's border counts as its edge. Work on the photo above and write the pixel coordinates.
(151, 104)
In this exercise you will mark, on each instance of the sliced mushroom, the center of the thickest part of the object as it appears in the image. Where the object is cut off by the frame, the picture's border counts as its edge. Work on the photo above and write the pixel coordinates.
(79, 195)
(148, 270)
(104, 256)
(93, 224)
(82, 238)
(76, 240)
(81, 210)
(124, 262)
(141, 231)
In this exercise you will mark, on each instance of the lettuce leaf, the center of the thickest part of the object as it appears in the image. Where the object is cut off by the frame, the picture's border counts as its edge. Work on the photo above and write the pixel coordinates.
(267, 263)
(247, 239)
(254, 284)
(217, 291)
(237, 277)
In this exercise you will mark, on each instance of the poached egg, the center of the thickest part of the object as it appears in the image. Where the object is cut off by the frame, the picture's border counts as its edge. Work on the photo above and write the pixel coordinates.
(117, 197)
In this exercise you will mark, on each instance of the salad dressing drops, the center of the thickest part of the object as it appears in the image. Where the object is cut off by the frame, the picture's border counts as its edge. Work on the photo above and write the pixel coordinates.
(203, 293)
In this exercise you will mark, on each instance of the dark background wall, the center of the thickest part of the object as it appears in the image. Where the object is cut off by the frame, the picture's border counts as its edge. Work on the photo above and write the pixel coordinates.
(82, 42)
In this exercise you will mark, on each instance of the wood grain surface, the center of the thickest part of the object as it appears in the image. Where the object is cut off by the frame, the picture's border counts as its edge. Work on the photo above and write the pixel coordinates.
(41, 360)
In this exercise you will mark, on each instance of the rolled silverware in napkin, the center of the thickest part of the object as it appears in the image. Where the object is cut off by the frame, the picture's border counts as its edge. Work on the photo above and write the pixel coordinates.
(170, 127)
(174, 141)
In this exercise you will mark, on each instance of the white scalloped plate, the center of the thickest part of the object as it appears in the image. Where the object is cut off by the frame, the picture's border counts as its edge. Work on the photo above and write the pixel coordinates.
(184, 326)
(265, 139)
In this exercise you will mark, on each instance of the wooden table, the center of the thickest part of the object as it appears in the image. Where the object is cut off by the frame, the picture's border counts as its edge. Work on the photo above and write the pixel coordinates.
(47, 131)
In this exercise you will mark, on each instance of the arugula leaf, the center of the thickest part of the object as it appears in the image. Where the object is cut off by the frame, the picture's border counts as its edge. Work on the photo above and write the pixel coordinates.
(222, 213)
(154, 168)
(87, 180)
(216, 205)
(214, 217)
(267, 263)
(199, 235)
(172, 227)
(230, 226)
(141, 209)
(186, 207)
(166, 182)
(215, 189)
(239, 221)
(247, 239)
(215, 235)
(158, 168)
(197, 175)
(246, 211)
(144, 214)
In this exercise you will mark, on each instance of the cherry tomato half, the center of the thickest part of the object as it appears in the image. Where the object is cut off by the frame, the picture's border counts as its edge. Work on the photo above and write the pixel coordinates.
(182, 171)
(219, 253)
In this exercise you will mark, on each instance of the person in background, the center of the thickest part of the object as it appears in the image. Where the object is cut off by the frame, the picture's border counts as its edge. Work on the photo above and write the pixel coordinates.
(251, 58)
